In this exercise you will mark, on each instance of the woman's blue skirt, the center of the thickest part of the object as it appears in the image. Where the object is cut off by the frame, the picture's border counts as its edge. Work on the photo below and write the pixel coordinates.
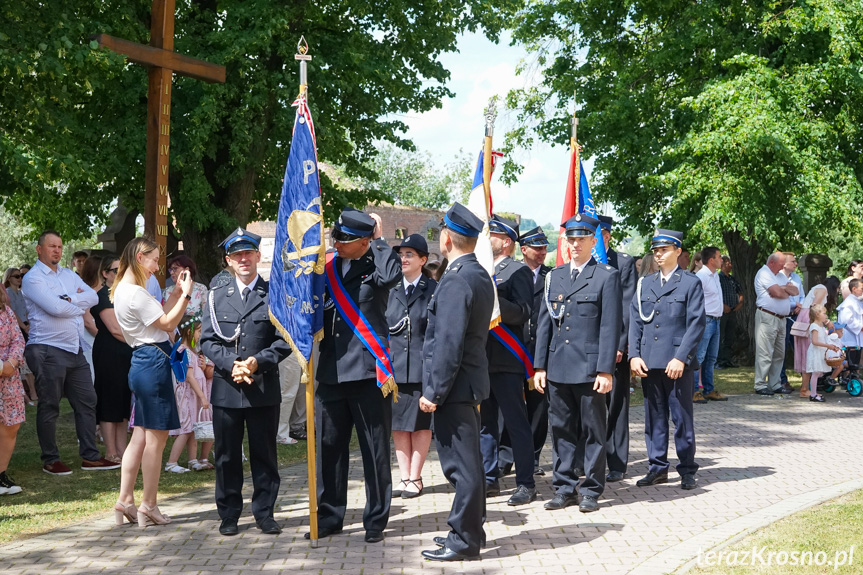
(152, 383)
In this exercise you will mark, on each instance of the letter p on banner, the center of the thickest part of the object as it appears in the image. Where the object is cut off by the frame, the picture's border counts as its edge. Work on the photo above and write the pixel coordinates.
(308, 170)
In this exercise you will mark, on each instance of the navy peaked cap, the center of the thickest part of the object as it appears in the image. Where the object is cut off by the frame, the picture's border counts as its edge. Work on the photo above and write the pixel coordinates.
(416, 242)
(241, 240)
(501, 225)
(605, 222)
(462, 221)
(666, 238)
(534, 238)
(580, 225)
(353, 225)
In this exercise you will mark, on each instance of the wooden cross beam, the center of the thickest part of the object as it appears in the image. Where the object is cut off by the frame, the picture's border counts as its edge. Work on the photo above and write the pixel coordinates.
(162, 62)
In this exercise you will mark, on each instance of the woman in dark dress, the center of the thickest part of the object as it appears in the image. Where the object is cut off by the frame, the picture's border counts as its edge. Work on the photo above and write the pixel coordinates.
(407, 315)
(112, 358)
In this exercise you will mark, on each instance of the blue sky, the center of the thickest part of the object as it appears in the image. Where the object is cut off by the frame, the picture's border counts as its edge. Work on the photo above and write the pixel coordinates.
(480, 70)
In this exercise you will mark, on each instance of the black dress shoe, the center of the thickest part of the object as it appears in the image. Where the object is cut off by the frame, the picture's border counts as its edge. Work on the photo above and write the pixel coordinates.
(441, 542)
(817, 398)
(765, 392)
(374, 536)
(504, 470)
(688, 481)
(324, 532)
(522, 496)
(614, 476)
(579, 471)
(539, 471)
(784, 390)
(492, 489)
(269, 526)
(229, 526)
(446, 554)
(588, 504)
(653, 478)
(561, 501)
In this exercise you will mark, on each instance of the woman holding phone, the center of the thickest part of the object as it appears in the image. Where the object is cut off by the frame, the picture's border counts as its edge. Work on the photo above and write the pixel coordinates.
(145, 325)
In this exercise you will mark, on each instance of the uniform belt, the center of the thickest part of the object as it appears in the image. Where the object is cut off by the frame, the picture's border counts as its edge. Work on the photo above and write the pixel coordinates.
(772, 313)
(716, 317)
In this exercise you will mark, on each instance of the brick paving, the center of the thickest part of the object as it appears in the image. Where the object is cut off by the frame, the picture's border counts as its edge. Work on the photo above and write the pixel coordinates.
(758, 458)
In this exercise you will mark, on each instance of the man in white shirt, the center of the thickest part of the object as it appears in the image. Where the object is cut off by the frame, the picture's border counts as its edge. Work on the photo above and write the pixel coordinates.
(708, 348)
(794, 304)
(57, 300)
(772, 291)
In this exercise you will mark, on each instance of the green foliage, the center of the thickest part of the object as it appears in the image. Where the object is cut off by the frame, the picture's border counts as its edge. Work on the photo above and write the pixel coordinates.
(715, 116)
(412, 179)
(17, 242)
(73, 117)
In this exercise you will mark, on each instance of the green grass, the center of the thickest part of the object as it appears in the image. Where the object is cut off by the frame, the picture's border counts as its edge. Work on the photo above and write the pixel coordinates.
(48, 502)
(832, 527)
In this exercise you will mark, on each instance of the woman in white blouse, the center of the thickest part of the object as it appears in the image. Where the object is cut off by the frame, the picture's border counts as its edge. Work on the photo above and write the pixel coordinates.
(145, 325)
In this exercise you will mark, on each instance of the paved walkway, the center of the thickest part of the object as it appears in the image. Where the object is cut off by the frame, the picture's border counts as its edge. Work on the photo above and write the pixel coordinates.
(758, 458)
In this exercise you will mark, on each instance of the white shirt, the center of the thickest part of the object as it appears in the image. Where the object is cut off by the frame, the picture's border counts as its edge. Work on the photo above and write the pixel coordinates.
(763, 280)
(712, 291)
(535, 273)
(137, 310)
(406, 283)
(54, 321)
(801, 293)
(664, 278)
(851, 314)
(572, 268)
(241, 286)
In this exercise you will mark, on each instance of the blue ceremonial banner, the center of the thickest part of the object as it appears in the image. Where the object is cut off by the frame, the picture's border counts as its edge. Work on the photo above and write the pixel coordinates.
(297, 276)
(585, 206)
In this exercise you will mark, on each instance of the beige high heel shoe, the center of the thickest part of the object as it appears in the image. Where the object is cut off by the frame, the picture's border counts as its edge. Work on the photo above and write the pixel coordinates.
(151, 516)
(123, 511)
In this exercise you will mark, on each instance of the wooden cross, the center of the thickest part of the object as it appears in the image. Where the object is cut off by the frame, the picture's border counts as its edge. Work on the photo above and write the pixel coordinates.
(162, 62)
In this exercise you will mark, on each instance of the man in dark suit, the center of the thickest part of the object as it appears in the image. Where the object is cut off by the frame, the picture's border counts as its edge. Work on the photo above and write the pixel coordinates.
(237, 336)
(576, 351)
(506, 371)
(666, 324)
(456, 380)
(348, 393)
(617, 430)
(534, 248)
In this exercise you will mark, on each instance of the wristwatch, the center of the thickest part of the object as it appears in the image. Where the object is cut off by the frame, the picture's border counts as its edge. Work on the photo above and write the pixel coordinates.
(188, 296)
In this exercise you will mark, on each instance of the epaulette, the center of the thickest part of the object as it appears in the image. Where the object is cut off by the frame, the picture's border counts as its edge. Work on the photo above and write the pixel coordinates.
(689, 273)
(623, 255)
(608, 267)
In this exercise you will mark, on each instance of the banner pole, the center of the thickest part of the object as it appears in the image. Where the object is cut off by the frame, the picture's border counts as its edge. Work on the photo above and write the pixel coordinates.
(490, 116)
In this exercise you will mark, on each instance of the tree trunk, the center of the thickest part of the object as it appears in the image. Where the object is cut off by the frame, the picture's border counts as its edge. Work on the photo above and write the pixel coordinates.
(745, 262)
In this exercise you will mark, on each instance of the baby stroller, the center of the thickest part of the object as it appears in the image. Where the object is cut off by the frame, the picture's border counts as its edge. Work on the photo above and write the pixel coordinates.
(848, 378)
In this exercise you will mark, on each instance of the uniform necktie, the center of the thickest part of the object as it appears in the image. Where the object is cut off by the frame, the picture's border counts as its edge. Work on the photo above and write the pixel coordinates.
(410, 290)
(574, 275)
(246, 292)
(662, 282)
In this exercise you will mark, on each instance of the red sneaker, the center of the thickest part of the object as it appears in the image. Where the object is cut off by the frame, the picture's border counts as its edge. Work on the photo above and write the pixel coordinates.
(57, 468)
(102, 463)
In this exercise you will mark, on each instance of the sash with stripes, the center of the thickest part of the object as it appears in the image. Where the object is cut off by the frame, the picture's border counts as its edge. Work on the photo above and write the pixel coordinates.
(508, 340)
(351, 313)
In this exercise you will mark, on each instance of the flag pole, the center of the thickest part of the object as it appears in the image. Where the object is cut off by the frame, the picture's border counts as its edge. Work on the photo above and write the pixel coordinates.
(311, 458)
(490, 116)
(573, 146)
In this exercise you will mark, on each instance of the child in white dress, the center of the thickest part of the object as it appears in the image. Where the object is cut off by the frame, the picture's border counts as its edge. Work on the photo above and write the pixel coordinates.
(816, 363)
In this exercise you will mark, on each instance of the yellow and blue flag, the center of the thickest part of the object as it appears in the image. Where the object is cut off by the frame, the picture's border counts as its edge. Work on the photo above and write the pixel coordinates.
(297, 276)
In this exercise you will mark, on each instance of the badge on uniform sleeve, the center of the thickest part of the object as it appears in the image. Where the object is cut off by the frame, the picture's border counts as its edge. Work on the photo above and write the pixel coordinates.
(554, 306)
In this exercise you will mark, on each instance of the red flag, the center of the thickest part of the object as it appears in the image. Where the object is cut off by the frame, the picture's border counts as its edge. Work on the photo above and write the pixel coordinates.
(570, 204)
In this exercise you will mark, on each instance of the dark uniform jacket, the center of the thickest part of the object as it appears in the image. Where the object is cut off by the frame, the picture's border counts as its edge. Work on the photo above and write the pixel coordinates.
(628, 276)
(530, 326)
(677, 324)
(343, 357)
(407, 337)
(515, 297)
(583, 342)
(257, 337)
(455, 366)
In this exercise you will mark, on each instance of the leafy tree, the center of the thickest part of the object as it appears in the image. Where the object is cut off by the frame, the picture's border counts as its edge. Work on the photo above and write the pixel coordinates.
(412, 179)
(738, 121)
(73, 118)
(17, 245)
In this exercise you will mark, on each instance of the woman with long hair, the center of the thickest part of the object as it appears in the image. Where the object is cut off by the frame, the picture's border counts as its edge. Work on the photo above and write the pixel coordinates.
(145, 326)
(112, 358)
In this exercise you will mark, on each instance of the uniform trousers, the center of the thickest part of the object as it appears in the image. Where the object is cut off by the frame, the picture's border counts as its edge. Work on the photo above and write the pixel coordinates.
(577, 411)
(457, 434)
(229, 425)
(661, 395)
(507, 399)
(537, 416)
(342, 407)
(59, 372)
(617, 429)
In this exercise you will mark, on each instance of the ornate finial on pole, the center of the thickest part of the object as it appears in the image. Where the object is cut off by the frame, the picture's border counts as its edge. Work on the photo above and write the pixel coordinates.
(490, 116)
(303, 56)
